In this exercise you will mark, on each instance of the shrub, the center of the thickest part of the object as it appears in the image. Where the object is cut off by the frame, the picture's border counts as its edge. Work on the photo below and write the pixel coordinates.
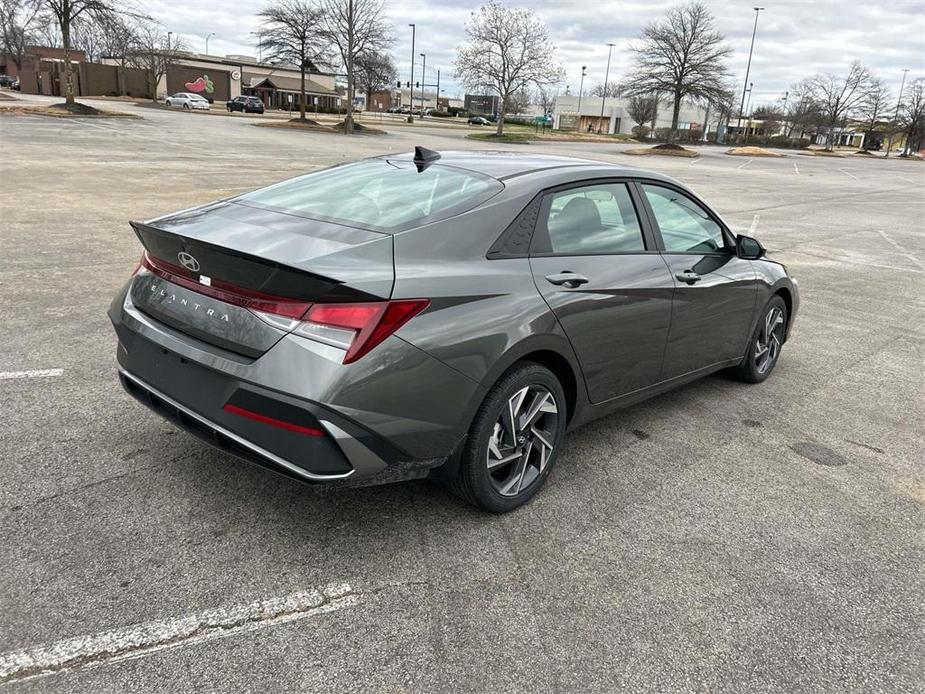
(440, 114)
(641, 132)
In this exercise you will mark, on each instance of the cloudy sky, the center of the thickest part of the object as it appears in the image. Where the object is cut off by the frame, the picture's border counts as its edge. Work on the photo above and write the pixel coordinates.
(796, 38)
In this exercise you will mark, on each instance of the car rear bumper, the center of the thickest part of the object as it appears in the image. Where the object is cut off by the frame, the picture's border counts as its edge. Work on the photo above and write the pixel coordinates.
(296, 409)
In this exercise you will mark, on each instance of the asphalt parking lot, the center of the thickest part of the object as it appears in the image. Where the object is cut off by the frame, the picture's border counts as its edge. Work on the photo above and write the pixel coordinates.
(722, 538)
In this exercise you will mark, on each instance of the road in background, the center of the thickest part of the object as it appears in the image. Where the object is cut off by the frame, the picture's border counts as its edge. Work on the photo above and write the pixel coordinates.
(722, 537)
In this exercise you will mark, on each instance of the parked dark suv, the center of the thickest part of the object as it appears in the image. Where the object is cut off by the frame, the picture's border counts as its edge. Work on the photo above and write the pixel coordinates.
(247, 104)
(448, 315)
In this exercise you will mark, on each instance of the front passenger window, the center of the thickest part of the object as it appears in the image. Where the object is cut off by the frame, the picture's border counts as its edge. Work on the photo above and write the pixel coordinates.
(593, 219)
(685, 226)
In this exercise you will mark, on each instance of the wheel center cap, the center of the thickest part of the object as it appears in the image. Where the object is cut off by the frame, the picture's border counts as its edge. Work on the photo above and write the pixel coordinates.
(521, 440)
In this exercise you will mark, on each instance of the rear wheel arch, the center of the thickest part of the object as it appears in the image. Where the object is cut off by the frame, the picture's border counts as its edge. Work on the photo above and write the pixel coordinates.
(562, 370)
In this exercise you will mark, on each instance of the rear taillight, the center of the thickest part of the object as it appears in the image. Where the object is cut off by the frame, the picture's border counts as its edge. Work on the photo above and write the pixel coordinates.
(358, 328)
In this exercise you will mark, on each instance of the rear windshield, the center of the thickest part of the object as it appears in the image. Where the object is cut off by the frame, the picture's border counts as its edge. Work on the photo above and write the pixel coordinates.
(378, 194)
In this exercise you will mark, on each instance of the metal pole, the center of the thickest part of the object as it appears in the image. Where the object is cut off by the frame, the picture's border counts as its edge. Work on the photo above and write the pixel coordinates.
(438, 89)
(604, 95)
(411, 81)
(899, 101)
(208, 36)
(747, 105)
(581, 88)
(749, 66)
(784, 110)
(423, 75)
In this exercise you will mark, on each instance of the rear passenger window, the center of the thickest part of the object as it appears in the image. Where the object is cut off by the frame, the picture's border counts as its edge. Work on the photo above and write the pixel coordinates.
(593, 219)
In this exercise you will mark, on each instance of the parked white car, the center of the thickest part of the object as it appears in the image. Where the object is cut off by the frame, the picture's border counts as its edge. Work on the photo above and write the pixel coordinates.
(187, 100)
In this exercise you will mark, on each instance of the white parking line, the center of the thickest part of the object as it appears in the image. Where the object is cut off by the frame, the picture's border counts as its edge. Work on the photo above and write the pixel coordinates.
(908, 180)
(848, 173)
(902, 250)
(796, 168)
(742, 166)
(35, 373)
(144, 639)
(754, 227)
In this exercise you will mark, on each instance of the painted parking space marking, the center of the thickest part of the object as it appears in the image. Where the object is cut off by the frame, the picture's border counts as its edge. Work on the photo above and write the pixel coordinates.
(743, 165)
(147, 638)
(34, 373)
(911, 258)
(848, 173)
(754, 226)
(796, 168)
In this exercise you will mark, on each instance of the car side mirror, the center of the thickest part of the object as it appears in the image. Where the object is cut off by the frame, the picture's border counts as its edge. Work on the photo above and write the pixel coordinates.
(749, 248)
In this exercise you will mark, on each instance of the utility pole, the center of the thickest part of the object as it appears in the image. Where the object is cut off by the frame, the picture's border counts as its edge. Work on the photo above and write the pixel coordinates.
(748, 104)
(211, 33)
(438, 89)
(423, 75)
(749, 66)
(604, 95)
(581, 87)
(899, 102)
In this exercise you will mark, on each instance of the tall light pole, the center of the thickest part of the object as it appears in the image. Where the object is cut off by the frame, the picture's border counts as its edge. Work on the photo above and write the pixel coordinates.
(423, 75)
(411, 81)
(749, 66)
(899, 101)
(604, 94)
(169, 34)
(748, 104)
(581, 89)
(211, 33)
(259, 45)
(784, 109)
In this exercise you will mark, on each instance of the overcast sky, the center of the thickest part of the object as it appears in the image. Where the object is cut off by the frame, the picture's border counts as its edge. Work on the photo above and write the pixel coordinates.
(796, 38)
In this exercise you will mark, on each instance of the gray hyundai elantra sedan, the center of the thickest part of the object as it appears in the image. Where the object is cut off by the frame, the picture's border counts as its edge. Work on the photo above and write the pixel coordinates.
(439, 314)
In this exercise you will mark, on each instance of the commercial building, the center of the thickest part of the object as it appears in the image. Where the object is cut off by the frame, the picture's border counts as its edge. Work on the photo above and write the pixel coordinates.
(616, 118)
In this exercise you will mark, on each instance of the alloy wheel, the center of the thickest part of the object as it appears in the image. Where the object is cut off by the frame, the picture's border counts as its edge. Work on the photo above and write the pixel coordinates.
(769, 340)
(522, 442)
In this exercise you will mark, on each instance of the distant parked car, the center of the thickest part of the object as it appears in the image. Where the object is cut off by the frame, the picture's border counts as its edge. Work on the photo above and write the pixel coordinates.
(246, 104)
(187, 101)
(478, 120)
(7, 80)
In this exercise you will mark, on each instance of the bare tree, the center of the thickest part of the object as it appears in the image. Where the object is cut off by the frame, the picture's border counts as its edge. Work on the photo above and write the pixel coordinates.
(682, 56)
(613, 90)
(873, 108)
(20, 23)
(355, 28)
(543, 96)
(88, 36)
(508, 50)
(66, 14)
(155, 54)
(643, 109)
(292, 32)
(838, 96)
(912, 116)
(802, 109)
(375, 72)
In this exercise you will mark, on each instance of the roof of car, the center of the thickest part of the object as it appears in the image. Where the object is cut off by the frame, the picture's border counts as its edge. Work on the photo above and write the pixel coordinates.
(503, 165)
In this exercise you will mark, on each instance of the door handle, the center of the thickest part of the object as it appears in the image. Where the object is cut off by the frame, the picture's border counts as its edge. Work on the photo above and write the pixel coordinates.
(567, 278)
(688, 276)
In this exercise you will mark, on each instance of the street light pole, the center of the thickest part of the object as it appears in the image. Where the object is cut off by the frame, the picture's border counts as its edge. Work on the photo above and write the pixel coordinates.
(899, 101)
(784, 109)
(169, 34)
(749, 66)
(211, 33)
(438, 89)
(411, 81)
(604, 94)
(259, 46)
(748, 104)
(581, 88)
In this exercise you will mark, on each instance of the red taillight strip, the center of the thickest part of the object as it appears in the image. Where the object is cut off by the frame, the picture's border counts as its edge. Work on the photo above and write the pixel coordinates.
(229, 293)
(272, 421)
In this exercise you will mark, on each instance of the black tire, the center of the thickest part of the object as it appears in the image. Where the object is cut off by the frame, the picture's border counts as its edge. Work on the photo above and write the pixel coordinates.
(753, 369)
(474, 482)
(186, 106)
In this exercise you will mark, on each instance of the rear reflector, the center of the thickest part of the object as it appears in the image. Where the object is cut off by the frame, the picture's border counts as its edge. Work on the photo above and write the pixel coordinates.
(272, 421)
(225, 291)
(371, 323)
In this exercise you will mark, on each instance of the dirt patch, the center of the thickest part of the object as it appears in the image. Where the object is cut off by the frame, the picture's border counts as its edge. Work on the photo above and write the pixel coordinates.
(666, 150)
(358, 128)
(76, 110)
(307, 121)
(752, 152)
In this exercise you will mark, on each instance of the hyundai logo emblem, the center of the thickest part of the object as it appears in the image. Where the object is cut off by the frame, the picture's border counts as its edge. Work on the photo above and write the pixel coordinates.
(188, 261)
